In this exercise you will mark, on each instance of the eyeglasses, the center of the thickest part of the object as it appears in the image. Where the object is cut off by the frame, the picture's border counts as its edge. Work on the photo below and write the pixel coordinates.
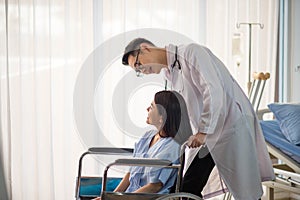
(137, 65)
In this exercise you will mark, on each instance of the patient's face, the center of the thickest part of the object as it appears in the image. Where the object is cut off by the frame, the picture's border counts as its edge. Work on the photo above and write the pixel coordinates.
(154, 118)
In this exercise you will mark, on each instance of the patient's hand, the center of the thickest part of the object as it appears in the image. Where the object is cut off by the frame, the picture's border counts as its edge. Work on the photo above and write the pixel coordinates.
(98, 198)
(196, 140)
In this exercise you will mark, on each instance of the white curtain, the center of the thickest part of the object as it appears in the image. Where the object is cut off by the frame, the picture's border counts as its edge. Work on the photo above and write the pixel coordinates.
(43, 44)
(231, 43)
(46, 44)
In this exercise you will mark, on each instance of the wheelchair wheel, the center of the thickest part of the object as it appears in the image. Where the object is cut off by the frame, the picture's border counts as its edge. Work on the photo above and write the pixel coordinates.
(179, 196)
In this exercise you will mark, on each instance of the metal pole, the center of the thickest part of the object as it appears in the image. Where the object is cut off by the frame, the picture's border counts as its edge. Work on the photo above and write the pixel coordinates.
(249, 67)
(250, 44)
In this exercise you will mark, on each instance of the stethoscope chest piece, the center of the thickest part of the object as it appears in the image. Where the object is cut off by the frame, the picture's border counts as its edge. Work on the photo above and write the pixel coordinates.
(176, 62)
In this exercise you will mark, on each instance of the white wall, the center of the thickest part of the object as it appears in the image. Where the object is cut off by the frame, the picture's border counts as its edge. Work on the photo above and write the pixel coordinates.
(294, 57)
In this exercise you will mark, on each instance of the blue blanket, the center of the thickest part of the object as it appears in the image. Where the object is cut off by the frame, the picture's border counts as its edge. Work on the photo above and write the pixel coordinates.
(274, 136)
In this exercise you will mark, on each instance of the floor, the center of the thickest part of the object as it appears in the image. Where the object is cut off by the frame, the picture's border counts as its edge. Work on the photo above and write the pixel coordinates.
(279, 195)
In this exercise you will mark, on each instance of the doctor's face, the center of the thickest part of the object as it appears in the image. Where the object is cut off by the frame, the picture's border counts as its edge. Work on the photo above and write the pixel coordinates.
(144, 63)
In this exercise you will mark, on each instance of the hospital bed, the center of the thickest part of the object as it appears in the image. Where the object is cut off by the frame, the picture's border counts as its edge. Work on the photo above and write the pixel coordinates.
(285, 156)
(105, 181)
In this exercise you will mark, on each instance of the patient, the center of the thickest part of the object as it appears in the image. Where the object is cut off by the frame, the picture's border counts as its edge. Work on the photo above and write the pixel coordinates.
(168, 113)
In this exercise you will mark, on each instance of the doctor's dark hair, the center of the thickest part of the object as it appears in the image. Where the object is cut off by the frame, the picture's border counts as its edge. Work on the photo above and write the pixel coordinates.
(132, 48)
(172, 107)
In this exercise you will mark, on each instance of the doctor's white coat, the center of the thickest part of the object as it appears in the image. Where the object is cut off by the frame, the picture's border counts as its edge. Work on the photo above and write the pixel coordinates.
(218, 107)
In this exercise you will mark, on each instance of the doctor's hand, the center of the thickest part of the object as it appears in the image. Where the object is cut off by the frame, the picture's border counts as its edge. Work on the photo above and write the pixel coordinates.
(196, 140)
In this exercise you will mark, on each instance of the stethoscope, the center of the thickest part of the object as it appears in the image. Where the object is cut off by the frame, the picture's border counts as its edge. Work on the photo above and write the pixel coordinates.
(176, 62)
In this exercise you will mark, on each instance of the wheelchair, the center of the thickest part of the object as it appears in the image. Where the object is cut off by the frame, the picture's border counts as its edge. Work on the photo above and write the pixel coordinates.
(105, 182)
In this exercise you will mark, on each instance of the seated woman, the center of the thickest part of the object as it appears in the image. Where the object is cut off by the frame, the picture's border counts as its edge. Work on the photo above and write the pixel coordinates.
(168, 113)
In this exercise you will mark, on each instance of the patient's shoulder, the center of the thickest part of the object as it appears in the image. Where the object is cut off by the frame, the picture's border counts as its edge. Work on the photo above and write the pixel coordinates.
(149, 133)
(147, 136)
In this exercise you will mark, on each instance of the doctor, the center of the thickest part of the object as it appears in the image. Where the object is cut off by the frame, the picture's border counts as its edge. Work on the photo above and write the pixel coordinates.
(221, 114)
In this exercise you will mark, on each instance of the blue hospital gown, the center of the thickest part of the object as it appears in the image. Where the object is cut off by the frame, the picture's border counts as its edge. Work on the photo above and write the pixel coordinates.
(164, 148)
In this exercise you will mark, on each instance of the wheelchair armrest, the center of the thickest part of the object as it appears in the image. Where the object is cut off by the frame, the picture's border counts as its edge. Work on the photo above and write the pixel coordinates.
(143, 162)
(110, 151)
(137, 162)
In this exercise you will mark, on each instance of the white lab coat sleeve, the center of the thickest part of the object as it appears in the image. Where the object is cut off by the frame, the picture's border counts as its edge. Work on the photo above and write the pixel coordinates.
(205, 77)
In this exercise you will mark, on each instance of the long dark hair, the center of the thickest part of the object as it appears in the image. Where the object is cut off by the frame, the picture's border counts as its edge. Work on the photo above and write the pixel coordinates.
(172, 107)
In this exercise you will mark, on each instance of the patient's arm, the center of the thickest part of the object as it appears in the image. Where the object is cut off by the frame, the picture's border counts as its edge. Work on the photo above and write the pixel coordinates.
(150, 188)
(123, 185)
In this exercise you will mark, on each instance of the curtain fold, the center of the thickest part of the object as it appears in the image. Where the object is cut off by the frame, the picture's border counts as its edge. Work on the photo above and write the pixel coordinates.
(46, 44)
(5, 122)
